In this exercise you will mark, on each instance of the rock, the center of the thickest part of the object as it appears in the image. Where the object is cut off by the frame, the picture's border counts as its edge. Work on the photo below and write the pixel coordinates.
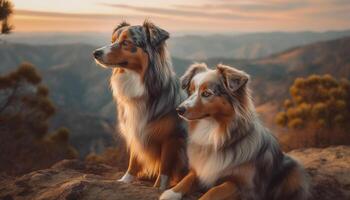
(329, 171)
(72, 179)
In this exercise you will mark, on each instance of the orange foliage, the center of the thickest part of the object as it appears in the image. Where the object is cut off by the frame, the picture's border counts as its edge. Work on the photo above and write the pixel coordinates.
(317, 114)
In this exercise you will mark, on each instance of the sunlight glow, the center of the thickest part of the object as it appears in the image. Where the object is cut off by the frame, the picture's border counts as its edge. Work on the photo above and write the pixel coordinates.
(183, 15)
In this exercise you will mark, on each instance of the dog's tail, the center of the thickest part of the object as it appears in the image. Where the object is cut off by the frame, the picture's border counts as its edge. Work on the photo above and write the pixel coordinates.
(290, 183)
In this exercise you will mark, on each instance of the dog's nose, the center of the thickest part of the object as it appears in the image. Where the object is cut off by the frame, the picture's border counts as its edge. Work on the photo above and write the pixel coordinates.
(98, 53)
(181, 110)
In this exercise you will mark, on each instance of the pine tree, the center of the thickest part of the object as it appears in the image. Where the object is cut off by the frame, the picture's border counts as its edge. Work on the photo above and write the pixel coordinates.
(6, 10)
(25, 110)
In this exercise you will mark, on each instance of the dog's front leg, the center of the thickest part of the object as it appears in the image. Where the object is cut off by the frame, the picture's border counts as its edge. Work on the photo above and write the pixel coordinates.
(186, 185)
(225, 191)
(132, 171)
(169, 157)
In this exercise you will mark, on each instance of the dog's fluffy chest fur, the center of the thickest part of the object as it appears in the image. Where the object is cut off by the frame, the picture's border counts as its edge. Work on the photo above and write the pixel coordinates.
(127, 84)
(209, 163)
(132, 113)
(208, 156)
(129, 92)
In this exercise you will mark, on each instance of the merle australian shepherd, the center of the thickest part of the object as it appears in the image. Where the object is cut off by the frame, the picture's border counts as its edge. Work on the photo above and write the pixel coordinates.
(230, 153)
(147, 93)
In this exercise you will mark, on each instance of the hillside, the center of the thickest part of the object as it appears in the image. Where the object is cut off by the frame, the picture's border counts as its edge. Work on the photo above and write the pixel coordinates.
(70, 179)
(245, 46)
(197, 47)
(273, 75)
(330, 57)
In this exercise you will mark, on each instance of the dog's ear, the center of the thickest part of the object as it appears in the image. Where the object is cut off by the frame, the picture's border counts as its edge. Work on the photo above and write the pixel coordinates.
(155, 35)
(190, 73)
(121, 25)
(233, 79)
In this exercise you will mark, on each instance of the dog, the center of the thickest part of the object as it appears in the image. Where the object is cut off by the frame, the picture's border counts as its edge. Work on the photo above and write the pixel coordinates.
(230, 152)
(147, 93)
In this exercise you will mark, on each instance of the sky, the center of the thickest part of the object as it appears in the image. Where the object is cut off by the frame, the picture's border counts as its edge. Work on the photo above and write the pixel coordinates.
(195, 16)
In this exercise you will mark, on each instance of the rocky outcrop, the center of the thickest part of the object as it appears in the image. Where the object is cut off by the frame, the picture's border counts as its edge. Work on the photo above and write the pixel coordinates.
(71, 180)
(329, 171)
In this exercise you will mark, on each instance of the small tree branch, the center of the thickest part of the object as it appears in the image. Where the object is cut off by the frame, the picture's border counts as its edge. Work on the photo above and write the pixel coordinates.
(10, 98)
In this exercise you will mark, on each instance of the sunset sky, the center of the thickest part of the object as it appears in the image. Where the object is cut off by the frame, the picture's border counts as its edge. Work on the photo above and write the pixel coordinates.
(211, 16)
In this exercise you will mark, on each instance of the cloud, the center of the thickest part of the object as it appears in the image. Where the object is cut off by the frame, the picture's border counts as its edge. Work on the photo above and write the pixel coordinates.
(183, 12)
(268, 7)
(249, 6)
(200, 16)
(31, 13)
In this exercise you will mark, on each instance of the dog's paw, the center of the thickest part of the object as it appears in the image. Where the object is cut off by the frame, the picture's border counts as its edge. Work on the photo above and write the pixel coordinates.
(127, 178)
(170, 195)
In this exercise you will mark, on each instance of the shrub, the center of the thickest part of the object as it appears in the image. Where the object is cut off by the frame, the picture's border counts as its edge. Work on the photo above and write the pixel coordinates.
(320, 105)
(317, 98)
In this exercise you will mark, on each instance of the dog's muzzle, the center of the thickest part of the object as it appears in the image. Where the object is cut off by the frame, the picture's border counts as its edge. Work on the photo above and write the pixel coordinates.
(181, 110)
(98, 54)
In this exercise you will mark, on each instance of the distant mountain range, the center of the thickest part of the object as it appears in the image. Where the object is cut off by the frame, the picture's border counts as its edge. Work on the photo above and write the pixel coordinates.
(198, 47)
(80, 88)
(273, 75)
(245, 46)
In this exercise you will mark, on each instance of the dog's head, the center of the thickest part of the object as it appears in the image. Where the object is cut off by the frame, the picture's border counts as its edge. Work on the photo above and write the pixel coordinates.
(131, 46)
(212, 92)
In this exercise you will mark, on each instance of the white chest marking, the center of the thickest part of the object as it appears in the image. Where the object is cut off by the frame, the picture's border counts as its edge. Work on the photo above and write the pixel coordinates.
(209, 166)
(127, 84)
(207, 133)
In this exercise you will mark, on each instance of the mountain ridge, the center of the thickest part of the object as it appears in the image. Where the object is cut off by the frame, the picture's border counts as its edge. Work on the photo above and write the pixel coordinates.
(197, 47)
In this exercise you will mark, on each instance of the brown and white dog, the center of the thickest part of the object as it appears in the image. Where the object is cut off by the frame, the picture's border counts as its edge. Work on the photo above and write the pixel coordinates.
(147, 93)
(229, 151)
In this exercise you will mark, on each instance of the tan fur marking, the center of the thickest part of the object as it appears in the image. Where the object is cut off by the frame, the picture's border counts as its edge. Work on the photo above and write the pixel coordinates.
(191, 89)
(191, 126)
(114, 37)
(203, 87)
(170, 160)
(226, 190)
(161, 129)
(187, 184)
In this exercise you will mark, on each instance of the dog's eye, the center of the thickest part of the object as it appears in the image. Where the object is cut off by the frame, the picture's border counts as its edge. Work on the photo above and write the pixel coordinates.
(206, 93)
